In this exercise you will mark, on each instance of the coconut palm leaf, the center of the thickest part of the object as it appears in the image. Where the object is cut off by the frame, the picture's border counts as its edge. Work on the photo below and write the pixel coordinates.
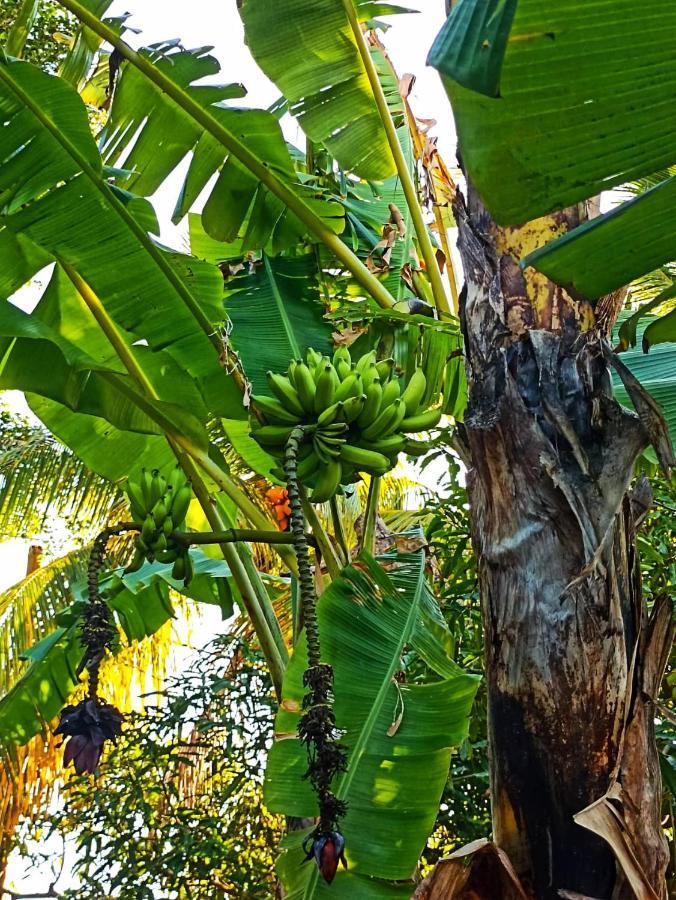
(42, 480)
(397, 767)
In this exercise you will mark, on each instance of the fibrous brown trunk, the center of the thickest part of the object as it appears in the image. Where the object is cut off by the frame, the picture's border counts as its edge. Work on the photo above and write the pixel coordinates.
(572, 663)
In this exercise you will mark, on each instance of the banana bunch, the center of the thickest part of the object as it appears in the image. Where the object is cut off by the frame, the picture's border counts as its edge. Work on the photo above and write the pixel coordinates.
(160, 506)
(359, 414)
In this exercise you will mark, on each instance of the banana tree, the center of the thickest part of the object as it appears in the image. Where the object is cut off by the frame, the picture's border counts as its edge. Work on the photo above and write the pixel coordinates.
(574, 660)
(140, 368)
(155, 376)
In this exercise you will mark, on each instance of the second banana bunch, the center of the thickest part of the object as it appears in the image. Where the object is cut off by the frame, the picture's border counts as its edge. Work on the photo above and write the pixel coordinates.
(358, 414)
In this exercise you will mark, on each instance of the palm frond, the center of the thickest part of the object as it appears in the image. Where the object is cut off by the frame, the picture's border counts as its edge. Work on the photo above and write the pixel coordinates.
(41, 481)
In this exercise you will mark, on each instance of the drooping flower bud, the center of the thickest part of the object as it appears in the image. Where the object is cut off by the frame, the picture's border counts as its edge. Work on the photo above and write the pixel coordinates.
(87, 726)
(327, 850)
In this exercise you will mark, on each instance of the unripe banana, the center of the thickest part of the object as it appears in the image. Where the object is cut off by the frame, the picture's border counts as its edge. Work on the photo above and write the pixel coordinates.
(327, 481)
(148, 529)
(159, 545)
(146, 482)
(369, 375)
(305, 386)
(393, 443)
(364, 460)
(422, 422)
(137, 561)
(135, 495)
(168, 526)
(418, 448)
(414, 392)
(167, 556)
(387, 422)
(330, 414)
(180, 505)
(158, 486)
(160, 512)
(187, 577)
(272, 435)
(353, 408)
(327, 385)
(178, 571)
(330, 447)
(364, 361)
(335, 428)
(390, 392)
(342, 354)
(274, 412)
(176, 478)
(313, 358)
(343, 369)
(385, 368)
(308, 466)
(285, 392)
(351, 387)
(374, 399)
(290, 371)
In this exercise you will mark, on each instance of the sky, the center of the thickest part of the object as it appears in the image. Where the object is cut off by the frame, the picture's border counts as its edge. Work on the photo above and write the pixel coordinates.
(216, 22)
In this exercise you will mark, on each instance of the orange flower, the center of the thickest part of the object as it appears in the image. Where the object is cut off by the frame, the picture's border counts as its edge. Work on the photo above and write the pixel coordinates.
(279, 500)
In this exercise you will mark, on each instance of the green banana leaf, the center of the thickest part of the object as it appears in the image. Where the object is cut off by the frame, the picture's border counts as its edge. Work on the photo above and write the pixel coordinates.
(277, 313)
(309, 51)
(157, 135)
(55, 193)
(398, 736)
(572, 118)
(655, 370)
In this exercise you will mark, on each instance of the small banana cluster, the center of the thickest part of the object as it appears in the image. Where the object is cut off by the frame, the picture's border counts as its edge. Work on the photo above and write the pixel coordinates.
(357, 413)
(160, 506)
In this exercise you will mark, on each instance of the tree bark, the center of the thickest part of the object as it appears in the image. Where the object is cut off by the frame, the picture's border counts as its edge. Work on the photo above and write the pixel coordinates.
(572, 663)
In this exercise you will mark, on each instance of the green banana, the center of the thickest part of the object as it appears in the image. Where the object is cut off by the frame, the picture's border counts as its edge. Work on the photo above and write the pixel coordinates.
(274, 412)
(366, 360)
(285, 392)
(385, 368)
(390, 392)
(343, 369)
(418, 448)
(363, 459)
(421, 422)
(176, 478)
(414, 391)
(181, 504)
(157, 487)
(305, 386)
(313, 358)
(327, 385)
(393, 443)
(372, 405)
(178, 571)
(167, 556)
(187, 578)
(352, 386)
(353, 407)
(369, 375)
(148, 529)
(146, 482)
(137, 561)
(308, 466)
(327, 449)
(330, 414)
(168, 526)
(272, 435)
(327, 482)
(135, 494)
(159, 545)
(342, 354)
(386, 422)
(160, 512)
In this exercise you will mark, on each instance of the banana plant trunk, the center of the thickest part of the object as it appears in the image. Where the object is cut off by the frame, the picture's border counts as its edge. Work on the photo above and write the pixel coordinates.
(572, 662)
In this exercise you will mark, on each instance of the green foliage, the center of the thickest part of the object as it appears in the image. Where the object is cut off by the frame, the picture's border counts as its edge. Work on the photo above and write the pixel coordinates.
(41, 47)
(398, 730)
(176, 811)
